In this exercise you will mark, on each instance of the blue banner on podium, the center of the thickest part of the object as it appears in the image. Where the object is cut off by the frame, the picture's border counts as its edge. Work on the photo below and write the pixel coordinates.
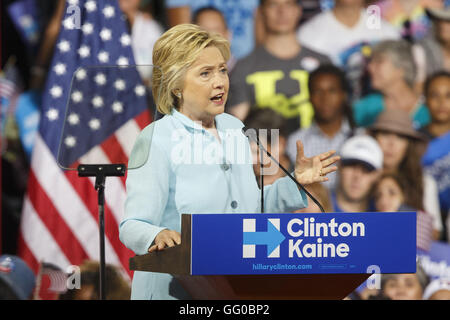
(377, 242)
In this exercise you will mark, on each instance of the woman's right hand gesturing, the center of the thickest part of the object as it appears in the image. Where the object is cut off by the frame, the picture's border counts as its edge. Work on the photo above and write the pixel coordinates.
(166, 238)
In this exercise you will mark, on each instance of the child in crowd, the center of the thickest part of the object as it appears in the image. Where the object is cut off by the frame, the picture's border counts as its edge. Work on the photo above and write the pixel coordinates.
(389, 196)
(388, 193)
(409, 286)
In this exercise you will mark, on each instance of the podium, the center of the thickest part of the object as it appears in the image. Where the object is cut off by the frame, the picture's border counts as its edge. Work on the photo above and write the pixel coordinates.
(284, 256)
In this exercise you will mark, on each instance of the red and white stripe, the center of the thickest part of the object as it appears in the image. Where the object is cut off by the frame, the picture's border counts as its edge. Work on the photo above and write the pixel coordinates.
(60, 214)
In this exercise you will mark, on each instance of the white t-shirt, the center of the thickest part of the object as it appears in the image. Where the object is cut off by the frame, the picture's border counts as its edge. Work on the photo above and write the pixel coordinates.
(325, 34)
(144, 34)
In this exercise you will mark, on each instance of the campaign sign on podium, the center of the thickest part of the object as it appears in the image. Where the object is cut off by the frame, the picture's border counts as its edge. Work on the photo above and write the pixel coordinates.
(378, 242)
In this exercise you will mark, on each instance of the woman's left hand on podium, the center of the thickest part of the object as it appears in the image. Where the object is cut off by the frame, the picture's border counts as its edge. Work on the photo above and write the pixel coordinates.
(166, 238)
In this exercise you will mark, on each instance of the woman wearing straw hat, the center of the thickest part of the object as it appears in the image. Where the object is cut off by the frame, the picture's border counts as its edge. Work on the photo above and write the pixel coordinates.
(401, 146)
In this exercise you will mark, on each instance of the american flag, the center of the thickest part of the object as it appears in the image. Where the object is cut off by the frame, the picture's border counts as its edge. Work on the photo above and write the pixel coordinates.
(50, 282)
(106, 111)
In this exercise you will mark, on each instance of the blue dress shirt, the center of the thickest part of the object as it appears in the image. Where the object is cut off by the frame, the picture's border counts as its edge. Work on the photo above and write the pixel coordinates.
(182, 168)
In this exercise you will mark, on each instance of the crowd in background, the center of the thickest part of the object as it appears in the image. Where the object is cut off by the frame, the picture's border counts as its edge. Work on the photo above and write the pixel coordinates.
(369, 79)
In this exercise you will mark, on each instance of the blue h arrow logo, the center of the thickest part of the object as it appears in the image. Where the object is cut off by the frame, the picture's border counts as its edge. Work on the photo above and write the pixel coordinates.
(272, 238)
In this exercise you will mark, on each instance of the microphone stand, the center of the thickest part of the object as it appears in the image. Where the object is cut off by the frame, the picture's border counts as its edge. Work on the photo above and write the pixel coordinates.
(261, 173)
(244, 130)
(100, 172)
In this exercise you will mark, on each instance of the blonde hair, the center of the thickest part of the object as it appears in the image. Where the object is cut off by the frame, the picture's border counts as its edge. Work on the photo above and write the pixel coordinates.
(174, 52)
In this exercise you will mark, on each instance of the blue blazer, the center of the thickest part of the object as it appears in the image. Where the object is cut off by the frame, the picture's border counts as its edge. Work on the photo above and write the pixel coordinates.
(182, 168)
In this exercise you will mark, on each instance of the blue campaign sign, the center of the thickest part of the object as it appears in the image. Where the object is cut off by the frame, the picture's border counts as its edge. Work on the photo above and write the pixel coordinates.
(377, 242)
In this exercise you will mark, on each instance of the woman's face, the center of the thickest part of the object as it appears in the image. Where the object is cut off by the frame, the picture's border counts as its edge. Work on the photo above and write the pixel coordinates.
(388, 195)
(206, 85)
(438, 100)
(394, 148)
(403, 287)
(383, 73)
(356, 180)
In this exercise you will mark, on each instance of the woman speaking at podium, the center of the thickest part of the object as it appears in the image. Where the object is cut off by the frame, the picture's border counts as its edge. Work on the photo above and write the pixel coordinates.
(185, 170)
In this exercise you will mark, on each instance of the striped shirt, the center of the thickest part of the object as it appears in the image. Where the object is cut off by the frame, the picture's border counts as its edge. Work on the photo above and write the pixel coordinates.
(315, 141)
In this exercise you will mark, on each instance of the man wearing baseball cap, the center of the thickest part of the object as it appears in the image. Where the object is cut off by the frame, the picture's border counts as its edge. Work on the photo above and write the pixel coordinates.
(361, 163)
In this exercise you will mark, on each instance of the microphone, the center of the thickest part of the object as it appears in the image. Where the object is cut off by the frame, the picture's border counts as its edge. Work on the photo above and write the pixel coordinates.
(261, 147)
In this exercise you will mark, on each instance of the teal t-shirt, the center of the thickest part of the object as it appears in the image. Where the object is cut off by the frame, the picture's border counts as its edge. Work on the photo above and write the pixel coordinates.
(367, 109)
